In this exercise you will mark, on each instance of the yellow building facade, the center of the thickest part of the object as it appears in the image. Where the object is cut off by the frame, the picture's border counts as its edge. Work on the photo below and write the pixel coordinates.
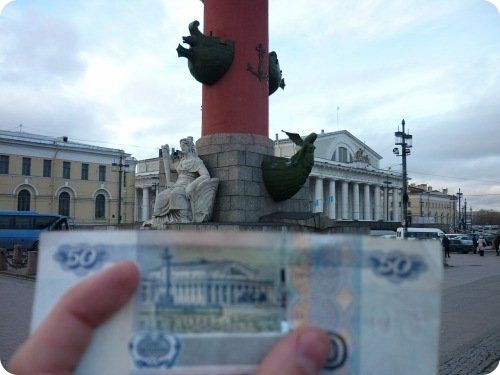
(429, 206)
(58, 176)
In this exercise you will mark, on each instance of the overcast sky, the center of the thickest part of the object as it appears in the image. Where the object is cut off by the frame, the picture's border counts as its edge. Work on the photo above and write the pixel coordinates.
(107, 73)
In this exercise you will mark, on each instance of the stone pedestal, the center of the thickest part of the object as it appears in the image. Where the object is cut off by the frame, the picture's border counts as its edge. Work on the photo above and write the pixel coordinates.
(242, 197)
(32, 263)
(17, 255)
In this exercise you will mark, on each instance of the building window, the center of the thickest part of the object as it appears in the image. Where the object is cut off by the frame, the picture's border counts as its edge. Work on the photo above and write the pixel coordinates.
(343, 154)
(85, 171)
(64, 201)
(4, 164)
(66, 170)
(23, 200)
(26, 166)
(102, 173)
(100, 206)
(47, 168)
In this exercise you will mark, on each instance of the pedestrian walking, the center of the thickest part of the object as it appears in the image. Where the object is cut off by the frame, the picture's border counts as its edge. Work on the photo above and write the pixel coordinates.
(496, 244)
(481, 244)
(474, 243)
(446, 246)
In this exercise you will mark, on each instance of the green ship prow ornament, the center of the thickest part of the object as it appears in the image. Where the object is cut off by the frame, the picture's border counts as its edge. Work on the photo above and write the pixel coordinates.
(284, 178)
(208, 58)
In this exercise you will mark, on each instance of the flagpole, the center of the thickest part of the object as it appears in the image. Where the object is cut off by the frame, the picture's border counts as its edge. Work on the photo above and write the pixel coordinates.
(338, 117)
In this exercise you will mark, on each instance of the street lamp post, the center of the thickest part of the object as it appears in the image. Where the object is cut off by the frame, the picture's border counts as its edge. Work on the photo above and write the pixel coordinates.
(120, 166)
(404, 140)
(465, 214)
(470, 217)
(454, 208)
(459, 208)
(386, 196)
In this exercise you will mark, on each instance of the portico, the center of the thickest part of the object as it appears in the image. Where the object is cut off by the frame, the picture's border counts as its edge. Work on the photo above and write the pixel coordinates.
(345, 200)
(346, 182)
(147, 184)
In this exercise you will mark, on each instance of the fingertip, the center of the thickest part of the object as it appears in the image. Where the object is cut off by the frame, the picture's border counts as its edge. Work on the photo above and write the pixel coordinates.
(127, 273)
(313, 348)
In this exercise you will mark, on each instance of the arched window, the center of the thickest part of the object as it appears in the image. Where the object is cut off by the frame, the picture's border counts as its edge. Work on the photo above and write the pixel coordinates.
(100, 206)
(64, 201)
(23, 200)
(343, 155)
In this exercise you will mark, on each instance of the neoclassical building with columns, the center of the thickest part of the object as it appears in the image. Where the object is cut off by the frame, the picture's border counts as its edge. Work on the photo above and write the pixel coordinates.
(147, 186)
(346, 182)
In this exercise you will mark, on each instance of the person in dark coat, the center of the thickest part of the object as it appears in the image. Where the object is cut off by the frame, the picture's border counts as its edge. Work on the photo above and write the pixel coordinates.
(446, 246)
(474, 243)
(496, 243)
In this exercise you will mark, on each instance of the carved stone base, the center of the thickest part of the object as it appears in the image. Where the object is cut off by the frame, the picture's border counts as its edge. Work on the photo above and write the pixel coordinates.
(242, 197)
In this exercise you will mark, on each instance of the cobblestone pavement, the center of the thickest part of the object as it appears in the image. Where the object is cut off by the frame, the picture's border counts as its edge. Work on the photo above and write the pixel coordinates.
(481, 358)
(16, 295)
(470, 323)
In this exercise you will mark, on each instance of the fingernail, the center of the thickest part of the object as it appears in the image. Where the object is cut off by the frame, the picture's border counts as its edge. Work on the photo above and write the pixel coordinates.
(313, 350)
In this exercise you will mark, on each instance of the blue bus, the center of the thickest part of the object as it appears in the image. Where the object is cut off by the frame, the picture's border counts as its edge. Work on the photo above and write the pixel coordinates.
(24, 227)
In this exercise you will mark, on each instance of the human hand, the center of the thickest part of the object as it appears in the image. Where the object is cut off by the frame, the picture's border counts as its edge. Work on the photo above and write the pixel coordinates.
(58, 344)
(60, 341)
(302, 352)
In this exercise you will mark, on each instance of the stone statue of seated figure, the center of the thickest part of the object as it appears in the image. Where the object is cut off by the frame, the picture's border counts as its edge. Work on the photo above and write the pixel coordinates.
(191, 197)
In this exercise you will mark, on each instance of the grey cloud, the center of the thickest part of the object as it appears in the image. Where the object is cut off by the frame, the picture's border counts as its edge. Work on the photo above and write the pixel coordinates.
(56, 115)
(36, 48)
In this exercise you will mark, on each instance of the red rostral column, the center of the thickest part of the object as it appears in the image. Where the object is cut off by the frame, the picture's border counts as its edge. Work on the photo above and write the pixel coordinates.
(239, 101)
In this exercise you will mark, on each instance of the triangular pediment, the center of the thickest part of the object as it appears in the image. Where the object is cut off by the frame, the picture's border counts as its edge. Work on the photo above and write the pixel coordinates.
(237, 270)
(327, 143)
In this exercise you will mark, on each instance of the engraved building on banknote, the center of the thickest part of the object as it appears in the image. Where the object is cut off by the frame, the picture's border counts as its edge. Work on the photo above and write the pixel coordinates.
(60, 176)
(203, 283)
(346, 182)
(200, 294)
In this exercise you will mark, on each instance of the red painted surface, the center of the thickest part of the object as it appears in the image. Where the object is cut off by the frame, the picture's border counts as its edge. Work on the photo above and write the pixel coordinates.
(238, 102)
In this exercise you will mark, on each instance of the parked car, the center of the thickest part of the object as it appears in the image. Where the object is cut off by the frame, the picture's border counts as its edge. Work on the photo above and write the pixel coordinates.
(461, 244)
(489, 239)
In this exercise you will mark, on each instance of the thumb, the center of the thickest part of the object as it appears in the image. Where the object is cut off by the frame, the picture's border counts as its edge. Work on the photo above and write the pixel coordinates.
(303, 352)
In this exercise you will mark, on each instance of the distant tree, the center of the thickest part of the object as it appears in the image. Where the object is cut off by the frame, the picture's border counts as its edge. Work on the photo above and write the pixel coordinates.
(486, 217)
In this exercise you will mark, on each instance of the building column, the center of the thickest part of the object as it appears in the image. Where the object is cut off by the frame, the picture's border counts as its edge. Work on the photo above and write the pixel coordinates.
(345, 192)
(136, 206)
(376, 202)
(331, 200)
(238, 103)
(355, 201)
(145, 203)
(367, 205)
(386, 204)
(318, 195)
(395, 205)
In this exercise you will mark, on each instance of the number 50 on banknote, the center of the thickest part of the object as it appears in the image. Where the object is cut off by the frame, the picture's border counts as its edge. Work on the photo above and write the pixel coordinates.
(215, 303)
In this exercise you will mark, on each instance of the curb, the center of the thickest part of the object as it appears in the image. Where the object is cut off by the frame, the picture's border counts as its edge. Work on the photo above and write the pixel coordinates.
(18, 275)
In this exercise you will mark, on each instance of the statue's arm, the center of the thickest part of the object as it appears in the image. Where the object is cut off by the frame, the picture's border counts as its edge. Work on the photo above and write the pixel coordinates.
(203, 171)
